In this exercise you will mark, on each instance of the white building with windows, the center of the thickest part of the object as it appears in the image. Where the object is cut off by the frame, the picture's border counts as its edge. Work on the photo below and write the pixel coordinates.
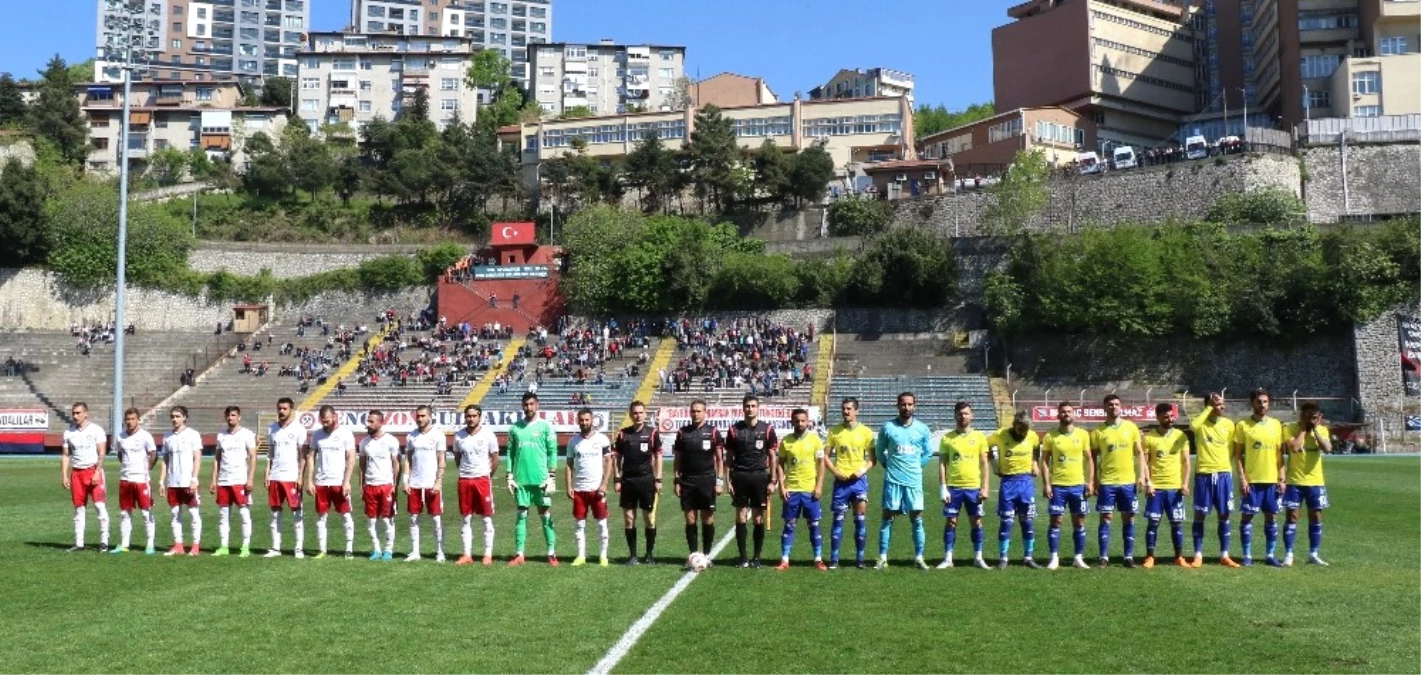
(347, 79)
(606, 78)
(510, 26)
(199, 40)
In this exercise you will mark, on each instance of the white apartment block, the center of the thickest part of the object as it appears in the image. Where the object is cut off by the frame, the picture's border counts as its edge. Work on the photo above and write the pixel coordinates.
(349, 79)
(215, 39)
(606, 78)
(865, 84)
(509, 26)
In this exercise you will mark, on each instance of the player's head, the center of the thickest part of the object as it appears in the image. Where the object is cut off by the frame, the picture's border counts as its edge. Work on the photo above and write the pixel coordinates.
(584, 421)
(131, 420)
(423, 417)
(1215, 403)
(1112, 408)
(698, 412)
(328, 417)
(473, 416)
(178, 415)
(233, 415)
(1260, 400)
(907, 403)
(799, 419)
(1164, 414)
(284, 406)
(1066, 414)
(637, 412)
(849, 407)
(1020, 425)
(530, 406)
(374, 421)
(962, 414)
(80, 412)
(750, 405)
(1310, 414)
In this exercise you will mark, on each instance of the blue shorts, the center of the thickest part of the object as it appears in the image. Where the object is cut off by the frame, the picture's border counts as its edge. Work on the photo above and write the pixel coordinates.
(1315, 496)
(963, 498)
(1114, 498)
(1165, 503)
(902, 498)
(1017, 495)
(850, 492)
(1262, 498)
(802, 503)
(1214, 491)
(1069, 496)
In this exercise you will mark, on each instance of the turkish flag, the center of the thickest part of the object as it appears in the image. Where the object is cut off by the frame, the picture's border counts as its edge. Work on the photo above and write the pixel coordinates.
(505, 234)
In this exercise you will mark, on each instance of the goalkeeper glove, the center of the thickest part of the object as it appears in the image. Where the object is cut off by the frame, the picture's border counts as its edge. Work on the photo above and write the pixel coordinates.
(512, 486)
(550, 486)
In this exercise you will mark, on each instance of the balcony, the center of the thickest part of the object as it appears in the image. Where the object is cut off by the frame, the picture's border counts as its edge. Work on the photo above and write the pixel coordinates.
(215, 141)
(169, 95)
(638, 56)
(137, 145)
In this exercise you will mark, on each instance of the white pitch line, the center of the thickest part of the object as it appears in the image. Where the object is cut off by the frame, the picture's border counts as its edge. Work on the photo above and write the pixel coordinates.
(633, 634)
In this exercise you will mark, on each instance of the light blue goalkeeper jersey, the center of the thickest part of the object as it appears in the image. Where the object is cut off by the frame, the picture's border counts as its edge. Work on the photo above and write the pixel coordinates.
(904, 450)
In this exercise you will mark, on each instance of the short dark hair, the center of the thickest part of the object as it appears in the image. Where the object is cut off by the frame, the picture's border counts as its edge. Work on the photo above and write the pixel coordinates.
(1162, 408)
(748, 398)
(1211, 396)
(134, 412)
(1022, 417)
(231, 409)
(631, 406)
(179, 409)
(909, 394)
(529, 396)
(80, 404)
(425, 408)
(798, 411)
(1063, 405)
(1253, 395)
(1309, 408)
(376, 413)
(1110, 397)
(474, 407)
(850, 400)
(960, 406)
(699, 402)
(327, 408)
(584, 411)
(287, 400)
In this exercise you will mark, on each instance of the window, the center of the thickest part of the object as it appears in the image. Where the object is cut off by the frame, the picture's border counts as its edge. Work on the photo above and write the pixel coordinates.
(160, 121)
(290, 21)
(160, 144)
(1325, 20)
(201, 29)
(537, 27)
(1368, 111)
(666, 73)
(498, 7)
(177, 44)
(449, 63)
(375, 11)
(177, 26)
(538, 12)
(310, 83)
(498, 39)
(1366, 83)
(1319, 98)
(755, 126)
(501, 24)
(365, 85)
(448, 84)
(1320, 65)
(663, 91)
(365, 106)
(201, 11)
(367, 64)
(575, 53)
(309, 62)
(345, 63)
(204, 93)
(545, 71)
(251, 17)
(177, 10)
(248, 34)
(1061, 134)
(594, 71)
(667, 54)
(309, 104)
(99, 143)
(448, 104)
(1004, 130)
(1395, 44)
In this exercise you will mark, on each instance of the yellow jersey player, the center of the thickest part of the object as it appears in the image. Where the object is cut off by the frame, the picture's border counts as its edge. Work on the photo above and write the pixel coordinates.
(1069, 472)
(801, 478)
(1167, 463)
(966, 482)
(1118, 460)
(1017, 448)
(1213, 478)
(1258, 442)
(1305, 442)
(849, 459)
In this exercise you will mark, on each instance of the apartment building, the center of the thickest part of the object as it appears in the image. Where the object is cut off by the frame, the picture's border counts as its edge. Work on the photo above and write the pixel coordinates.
(988, 146)
(510, 26)
(606, 78)
(865, 83)
(1383, 77)
(1129, 65)
(729, 90)
(214, 39)
(348, 79)
(184, 115)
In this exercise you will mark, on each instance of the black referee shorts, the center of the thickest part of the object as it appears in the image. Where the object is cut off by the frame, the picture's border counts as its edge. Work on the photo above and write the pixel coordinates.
(639, 493)
(751, 488)
(698, 493)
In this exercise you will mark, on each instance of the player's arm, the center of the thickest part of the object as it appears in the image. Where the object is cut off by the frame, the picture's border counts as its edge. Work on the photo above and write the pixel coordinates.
(986, 476)
(1142, 468)
(1238, 458)
(405, 466)
(1323, 437)
(152, 451)
(1298, 440)
(1046, 458)
(925, 450)
(718, 456)
(819, 471)
(567, 469)
(776, 471)
(1036, 460)
(197, 463)
(103, 450)
(676, 463)
(251, 462)
(727, 457)
(945, 455)
(364, 459)
(772, 451)
(442, 459)
(162, 470)
(870, 456)
(1185, 466)
(1089, 473)
(656, 461)
(64, 464)
(349, 464)
(216, 467)
(307, 469)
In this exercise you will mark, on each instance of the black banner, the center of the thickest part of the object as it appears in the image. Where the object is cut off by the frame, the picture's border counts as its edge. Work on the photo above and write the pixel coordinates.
(1408, 329)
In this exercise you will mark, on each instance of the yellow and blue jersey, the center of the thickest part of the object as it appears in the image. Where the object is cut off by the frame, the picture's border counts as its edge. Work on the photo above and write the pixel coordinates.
(1261, 440)
(1015, 456)
(1114, 446)
(1213, 441)
(848, 447)
(962, 452)
(800, 455)
(1305, 464)
(1165, 453)
(1065, 454)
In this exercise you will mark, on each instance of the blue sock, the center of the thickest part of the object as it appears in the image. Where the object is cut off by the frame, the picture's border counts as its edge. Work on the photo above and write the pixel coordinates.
(1151, 536)
(1314, 536)
(816, 539)
(1245, 535)
(1270, 536)
(977, 539)
(787, 538)
(1102, 538)
(1176, 537)
(949, 538)
(1290, 536)
(836, 535)
(1078, 538)
(1198, 530)
(1129, 528)
(1004, 536)
(920, 537)
(1028, 535)
(885, 533)
(860, 535)
(1225, 535)
(1053, 539)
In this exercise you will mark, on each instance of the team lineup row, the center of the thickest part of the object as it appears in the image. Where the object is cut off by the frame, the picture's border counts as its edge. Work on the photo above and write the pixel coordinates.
(1279, 468)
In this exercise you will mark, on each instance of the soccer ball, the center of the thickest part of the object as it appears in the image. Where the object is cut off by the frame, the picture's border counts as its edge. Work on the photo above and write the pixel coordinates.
(698, 561)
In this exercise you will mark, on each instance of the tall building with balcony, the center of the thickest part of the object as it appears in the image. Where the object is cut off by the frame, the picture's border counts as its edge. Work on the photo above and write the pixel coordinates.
(216, 39)
(509, 26)
(606, 78)
(860, 83)
(347, 79)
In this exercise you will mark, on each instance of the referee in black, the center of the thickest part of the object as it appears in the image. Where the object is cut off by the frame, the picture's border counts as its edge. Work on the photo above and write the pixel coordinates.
(750, 446)
(698, 467)
(638, 479)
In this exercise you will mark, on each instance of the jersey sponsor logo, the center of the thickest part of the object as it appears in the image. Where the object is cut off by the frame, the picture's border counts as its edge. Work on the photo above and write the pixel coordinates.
(705, 444)
(759, 445)
(645, 446)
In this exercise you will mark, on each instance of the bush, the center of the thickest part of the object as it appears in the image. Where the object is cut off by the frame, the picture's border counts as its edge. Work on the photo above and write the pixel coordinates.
(748, 281)
(84, 240)
(857, 217)
(389, 273)
(907, 267)
(1269, 206)
(435, 260)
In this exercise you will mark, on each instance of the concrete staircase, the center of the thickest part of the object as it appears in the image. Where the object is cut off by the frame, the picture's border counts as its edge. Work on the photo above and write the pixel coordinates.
(889, 355)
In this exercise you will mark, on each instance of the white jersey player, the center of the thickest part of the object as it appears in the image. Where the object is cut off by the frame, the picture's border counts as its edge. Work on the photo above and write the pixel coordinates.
(285, 466)
(137, 453)
(232, 476)
(81, 471)
(423, 473)
(589, 464)
(181, 475)
(476, 450)
(328, 469)
(379, 464)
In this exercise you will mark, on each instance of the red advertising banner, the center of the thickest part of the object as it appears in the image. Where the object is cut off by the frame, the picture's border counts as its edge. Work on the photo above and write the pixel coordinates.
(1096, 414)
(402, 421)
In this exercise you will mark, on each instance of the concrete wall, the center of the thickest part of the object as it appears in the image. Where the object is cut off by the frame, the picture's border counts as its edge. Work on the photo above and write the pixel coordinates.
(284, 260)
(19, 148)
(1381, 179)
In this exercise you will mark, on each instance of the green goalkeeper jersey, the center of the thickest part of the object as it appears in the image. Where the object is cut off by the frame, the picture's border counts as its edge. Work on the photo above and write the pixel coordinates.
(532, 451)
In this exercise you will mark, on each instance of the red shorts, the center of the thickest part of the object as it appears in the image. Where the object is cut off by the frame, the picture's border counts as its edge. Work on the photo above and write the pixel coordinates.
(475, 496)
(283, 492)
(419, 498)
(130, 494)
(331, 495)
(183, 497)
(379, 501)
(228, 495)
(582, 501)
(86, 484)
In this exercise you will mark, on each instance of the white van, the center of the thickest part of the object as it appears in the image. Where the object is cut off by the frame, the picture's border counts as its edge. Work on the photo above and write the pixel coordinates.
(1088, 163)
(1125, 158)
(1195, 147)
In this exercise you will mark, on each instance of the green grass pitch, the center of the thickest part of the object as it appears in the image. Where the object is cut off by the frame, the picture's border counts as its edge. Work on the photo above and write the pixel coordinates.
(87, 612)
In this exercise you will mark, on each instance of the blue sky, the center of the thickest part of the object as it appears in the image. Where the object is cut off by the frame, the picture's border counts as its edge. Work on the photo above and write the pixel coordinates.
(945, 43)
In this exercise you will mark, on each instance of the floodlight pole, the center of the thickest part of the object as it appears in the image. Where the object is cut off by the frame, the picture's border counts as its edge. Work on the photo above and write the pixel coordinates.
(122, 271)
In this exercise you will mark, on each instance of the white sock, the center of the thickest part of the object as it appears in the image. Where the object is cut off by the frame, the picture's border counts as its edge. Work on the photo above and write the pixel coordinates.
(602, 530)
(177, 523)
(103, 510)
(196, 517)
(580, 534)
(349, 522)
(125, 529)
(438, 533)
(224, 525)
(299, 518)
(466, 532)
(389, 534)
(488, 535)
(150, 526)
(414, 533)
(374, 536)
(321, 532)
(276, 530)
(246, 514)
(79, 518)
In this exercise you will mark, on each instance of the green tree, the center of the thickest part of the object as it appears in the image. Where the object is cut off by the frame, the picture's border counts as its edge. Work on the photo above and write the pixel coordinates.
(167, 166)
(822, 281)
(199, 165)
(267, 172)
(750, 281)
(859, 216)
(347, 178)
(55, 113)
(810, 171)
(595, 239)
(772, 172)
(12, 103)
(435, 260)
(22, 216)
(681, 96)
(489, 70)
(575, 112)
(906, 267)
(507, 105)
(652, 168)
(1020, 195)
(1268, 206)
(308, 160)
(83, 235)
(713, 155)
(390, 273)
(82, 71)
(276, 92)
(928, 120)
